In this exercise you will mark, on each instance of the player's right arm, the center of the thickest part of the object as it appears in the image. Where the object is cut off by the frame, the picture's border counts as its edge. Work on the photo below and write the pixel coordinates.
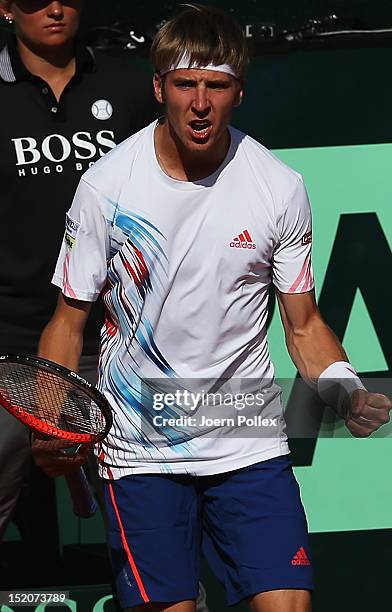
(80, 274)
(62, 342)
(62, 339)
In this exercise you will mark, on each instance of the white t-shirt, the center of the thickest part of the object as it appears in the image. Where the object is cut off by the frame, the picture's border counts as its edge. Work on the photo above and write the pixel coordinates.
(184, 269)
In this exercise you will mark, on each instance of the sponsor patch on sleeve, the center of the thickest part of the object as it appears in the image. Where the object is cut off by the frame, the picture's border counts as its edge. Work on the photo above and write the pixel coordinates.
(71, 230)
(307, 238)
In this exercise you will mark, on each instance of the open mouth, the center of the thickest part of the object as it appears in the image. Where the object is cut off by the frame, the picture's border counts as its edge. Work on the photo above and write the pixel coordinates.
(200, 128)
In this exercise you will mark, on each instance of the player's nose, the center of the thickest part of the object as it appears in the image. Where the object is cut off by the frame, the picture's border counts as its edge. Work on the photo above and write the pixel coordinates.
(201, 104)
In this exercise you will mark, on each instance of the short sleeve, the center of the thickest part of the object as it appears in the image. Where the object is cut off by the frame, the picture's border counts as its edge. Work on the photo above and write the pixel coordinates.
(81, 267)
(292, 259)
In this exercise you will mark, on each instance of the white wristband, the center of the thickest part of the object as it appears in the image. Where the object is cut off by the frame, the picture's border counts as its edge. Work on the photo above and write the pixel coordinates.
(336, 382)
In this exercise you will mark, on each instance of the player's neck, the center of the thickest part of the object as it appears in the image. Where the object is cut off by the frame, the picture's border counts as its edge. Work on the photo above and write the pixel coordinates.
(55, 66)
(183, 165)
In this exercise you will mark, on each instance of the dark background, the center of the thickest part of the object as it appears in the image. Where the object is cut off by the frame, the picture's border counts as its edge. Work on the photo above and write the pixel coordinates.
(285, 13)
(312, 93)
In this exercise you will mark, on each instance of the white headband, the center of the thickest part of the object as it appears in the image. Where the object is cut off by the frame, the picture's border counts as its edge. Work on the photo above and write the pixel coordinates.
(184, 62)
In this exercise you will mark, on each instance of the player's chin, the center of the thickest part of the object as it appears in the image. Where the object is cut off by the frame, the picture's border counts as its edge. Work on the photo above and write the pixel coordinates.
(199, 145)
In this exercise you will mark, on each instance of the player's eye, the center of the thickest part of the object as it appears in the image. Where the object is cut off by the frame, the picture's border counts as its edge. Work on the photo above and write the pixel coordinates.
(184, 84)
(218, 85)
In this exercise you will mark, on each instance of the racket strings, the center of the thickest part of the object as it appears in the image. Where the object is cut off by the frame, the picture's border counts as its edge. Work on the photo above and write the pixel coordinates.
(50, 398)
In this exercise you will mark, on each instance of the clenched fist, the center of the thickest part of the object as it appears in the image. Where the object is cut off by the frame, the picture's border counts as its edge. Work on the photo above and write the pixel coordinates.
(365, 412)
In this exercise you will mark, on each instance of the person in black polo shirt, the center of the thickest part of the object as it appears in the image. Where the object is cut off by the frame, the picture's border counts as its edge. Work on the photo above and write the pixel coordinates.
(62, 108)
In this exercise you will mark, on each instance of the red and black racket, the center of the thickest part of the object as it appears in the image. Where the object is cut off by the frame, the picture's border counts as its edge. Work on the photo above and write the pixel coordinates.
(58, 404)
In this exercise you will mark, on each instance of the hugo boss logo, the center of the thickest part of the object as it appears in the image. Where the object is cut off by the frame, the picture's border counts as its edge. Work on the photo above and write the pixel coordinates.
(57, 148)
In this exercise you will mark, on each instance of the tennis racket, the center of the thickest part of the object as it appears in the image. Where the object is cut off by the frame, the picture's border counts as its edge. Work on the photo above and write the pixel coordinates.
(57, 404)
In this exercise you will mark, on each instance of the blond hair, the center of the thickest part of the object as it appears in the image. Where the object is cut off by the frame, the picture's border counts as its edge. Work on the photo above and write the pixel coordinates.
(203, 34)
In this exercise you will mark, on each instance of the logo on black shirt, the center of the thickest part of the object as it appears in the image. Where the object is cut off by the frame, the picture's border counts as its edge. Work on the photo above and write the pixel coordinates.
(50, 154)
(102, 110)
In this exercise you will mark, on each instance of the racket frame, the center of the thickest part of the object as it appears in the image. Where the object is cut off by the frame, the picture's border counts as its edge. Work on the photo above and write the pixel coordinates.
(36, 424)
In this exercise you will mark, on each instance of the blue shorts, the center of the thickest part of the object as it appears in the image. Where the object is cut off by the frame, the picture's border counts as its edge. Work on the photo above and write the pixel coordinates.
(249, 523)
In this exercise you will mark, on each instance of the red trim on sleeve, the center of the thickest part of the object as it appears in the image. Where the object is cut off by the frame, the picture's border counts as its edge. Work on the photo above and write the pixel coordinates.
(300, 276)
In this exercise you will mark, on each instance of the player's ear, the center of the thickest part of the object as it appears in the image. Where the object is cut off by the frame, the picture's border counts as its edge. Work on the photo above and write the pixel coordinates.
(158, 83)
(239, 96)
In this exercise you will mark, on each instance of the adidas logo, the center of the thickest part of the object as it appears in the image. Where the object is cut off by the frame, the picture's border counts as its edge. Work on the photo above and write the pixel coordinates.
(300, 558)
(243, 241)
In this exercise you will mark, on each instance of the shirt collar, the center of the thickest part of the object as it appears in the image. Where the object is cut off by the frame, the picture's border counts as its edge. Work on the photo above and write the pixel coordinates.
(12, 68)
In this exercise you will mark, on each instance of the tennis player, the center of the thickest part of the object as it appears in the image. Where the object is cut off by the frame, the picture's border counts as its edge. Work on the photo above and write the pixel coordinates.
(183, 228)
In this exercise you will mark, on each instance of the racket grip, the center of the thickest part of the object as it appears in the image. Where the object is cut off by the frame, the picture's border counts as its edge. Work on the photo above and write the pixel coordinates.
(84, 504)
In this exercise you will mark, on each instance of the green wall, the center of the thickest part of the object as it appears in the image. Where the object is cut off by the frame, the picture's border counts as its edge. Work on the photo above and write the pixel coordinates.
(346, 487)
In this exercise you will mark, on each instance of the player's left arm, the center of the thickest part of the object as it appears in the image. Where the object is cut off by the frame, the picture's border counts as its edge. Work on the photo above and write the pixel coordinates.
(323, 363)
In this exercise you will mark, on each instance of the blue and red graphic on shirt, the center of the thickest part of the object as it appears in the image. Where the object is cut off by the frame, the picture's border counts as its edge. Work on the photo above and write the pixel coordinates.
(136, 270)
